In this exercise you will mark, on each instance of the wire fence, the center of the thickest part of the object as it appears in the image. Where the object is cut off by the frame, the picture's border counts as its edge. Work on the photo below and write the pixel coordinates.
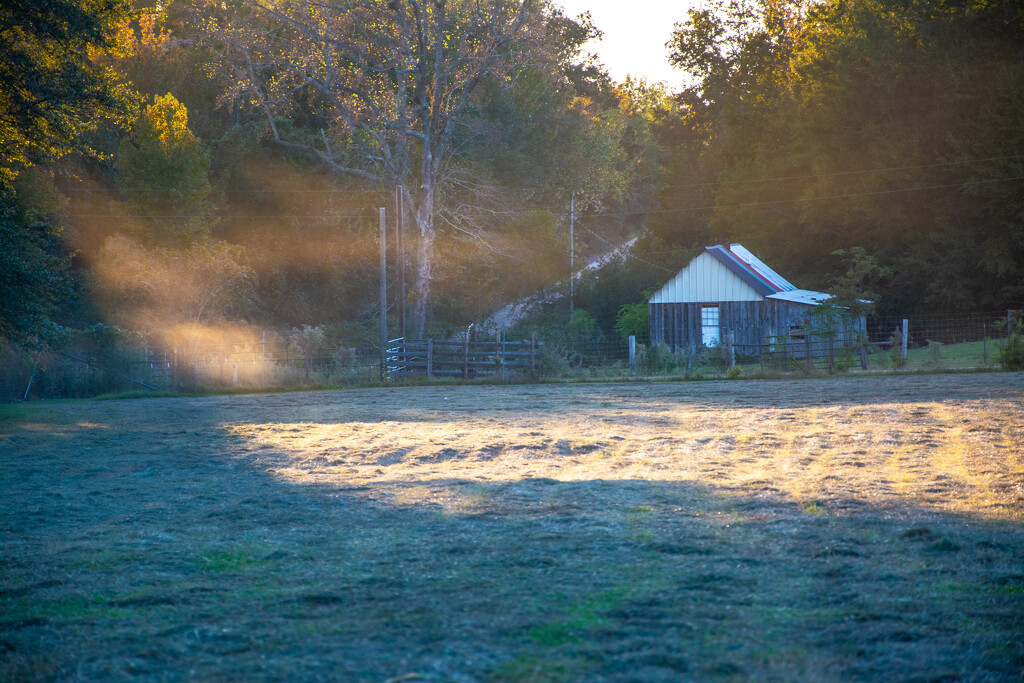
(83, 367)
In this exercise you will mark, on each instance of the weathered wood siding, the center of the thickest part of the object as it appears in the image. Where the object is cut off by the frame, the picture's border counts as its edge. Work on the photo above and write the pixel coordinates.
(751, 323)
(679, 324)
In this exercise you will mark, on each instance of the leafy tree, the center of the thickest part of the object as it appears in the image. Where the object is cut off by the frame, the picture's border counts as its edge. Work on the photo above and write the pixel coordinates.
(374, 90)
(164, 173)
(880, 123)
(34, 279)
(53, 89)
(857, 289)
(633, 320)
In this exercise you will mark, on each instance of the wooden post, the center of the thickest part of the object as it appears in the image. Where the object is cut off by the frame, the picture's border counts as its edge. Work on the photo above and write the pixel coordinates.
(863, 352)
(807, 349)
(465, 362)
(383, 296)
(499, 350)
(430, 357)
(400, 248)
(632, 355)
(572, 254)
(903, 342)
(263, 361)
(533, 352)
(234, 379)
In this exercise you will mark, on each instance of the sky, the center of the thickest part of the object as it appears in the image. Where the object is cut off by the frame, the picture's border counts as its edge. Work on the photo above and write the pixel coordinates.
(635, 33)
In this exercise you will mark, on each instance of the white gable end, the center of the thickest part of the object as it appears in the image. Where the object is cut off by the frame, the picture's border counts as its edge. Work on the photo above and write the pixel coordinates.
(705, 280)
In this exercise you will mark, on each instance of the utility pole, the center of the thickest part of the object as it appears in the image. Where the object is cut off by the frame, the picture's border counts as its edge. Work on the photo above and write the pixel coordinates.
(572, 253)
(383, 296)
(399, 236)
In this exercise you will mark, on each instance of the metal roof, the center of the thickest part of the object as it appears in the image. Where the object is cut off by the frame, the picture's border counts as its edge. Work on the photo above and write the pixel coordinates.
(801, 296)
(754, 280)
(750, 269)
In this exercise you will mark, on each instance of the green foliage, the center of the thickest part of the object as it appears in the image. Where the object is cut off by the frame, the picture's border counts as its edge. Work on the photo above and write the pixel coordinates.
(163, 173)
(35, 281)
(53, 87)
(857, 288)
(633, 320)
(582, 326)
(657, 359)
(852, 99)
(1010, 356)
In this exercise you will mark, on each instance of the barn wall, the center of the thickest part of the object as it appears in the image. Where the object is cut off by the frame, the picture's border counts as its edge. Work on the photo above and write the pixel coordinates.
(751, 323)
(678, 324)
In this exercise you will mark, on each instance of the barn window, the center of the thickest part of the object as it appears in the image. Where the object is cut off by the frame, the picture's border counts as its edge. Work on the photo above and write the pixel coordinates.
(709, 325)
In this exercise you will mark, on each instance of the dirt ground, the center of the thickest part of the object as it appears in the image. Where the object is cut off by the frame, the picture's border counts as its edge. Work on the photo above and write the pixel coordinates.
(854, 529)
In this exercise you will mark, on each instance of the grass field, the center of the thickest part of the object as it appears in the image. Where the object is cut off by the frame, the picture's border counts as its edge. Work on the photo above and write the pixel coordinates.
(858, 529)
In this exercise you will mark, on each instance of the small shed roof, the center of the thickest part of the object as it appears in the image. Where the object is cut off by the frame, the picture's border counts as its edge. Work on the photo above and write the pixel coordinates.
(750, 269)
(802, 296)
(752, 279)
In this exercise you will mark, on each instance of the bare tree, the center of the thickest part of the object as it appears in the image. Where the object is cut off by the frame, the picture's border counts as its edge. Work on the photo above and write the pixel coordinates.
(374, 88)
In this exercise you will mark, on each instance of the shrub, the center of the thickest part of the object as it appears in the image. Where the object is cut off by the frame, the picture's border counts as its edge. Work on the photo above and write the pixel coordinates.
(1011, 355)
(657, 359)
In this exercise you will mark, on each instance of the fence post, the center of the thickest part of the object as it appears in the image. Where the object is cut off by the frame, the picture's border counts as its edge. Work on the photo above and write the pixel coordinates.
(501, 354)
(807, 350)
(383, 297)
(730, 348)
(632, 355)
(263, 361)
(903, 342)
(430, 357)
(533, 353)
(863, 352)
(984, 344)
(465, 362)
(234, 378)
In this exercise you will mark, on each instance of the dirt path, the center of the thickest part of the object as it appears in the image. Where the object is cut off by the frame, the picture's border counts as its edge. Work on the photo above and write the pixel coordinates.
(853, 529)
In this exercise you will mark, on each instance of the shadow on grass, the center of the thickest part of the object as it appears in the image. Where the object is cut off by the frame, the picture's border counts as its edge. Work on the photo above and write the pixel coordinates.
(146, 541)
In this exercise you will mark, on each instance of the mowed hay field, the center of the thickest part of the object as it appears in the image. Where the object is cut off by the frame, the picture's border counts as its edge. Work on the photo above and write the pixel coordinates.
(864, 529)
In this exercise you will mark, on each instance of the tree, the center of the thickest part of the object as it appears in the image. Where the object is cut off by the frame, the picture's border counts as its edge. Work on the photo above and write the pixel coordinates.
(880, 123)
(374, 89)
(53, 90)
(53, 87)
(164, 174)
(34, 280)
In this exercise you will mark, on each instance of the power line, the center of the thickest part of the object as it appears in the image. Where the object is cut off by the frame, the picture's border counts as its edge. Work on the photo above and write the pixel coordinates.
(627, 253)
(710, 207)
(777, 202)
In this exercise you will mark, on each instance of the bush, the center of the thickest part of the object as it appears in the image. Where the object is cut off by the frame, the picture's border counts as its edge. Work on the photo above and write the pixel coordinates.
(1011, 355)
(657, 359)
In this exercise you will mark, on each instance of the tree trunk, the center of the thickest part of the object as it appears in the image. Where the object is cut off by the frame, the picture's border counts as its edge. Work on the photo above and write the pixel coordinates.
(424, 257)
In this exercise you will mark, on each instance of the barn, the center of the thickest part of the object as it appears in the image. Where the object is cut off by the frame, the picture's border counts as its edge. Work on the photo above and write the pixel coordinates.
(728, 290)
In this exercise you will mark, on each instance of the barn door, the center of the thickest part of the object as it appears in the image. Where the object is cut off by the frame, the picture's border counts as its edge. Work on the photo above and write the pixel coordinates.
(709, 333)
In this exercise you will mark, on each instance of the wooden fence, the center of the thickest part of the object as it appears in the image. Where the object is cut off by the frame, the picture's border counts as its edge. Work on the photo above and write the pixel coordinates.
(462, 358)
